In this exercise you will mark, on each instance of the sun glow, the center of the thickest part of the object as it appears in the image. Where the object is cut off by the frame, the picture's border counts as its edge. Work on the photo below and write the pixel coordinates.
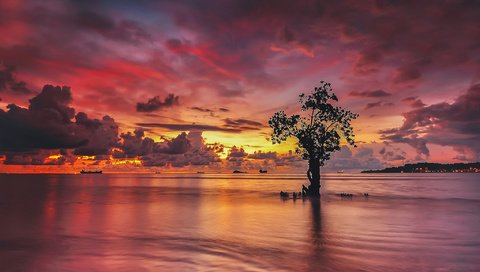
(86, 158)
(126, 161)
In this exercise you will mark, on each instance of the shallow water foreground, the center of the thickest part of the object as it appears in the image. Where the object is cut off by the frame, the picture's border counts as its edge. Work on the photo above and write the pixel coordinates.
(410, 222)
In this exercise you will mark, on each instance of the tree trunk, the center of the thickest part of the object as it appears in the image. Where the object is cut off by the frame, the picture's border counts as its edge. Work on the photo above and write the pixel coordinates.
(313, 174)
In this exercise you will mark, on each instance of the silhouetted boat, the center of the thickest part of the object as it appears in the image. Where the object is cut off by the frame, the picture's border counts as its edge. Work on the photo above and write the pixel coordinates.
(239, 172)
(200, 172)
(263, 171)
(91, 172)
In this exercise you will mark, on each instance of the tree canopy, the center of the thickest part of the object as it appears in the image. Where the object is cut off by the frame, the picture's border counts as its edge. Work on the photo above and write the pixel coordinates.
(320, 126)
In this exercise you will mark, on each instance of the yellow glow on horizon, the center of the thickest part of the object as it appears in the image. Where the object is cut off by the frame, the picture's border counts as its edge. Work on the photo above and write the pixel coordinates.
(126, 161)
(55, 157)
(87, 158)
(223, 155)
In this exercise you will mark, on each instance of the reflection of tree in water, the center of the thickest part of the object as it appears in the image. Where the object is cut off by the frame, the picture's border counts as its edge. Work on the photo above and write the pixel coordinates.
(320, 258)
(316, 228)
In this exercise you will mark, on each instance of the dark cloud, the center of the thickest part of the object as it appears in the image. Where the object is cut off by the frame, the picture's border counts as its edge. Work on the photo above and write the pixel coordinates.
(290, 159)
(54, 101)
(174, 44)
(95, 21)
(156, 103)
(242, 124)
(183, 150)
(382, 33)
(102, 135)
(368, 62)
(264, 160)
(375, 37)
(378, 104)
(377, 93)
(178, 145)
(40, 157)
(293, 41)
(209, 111)
(44, 125)
(47, 125)
(134, 144)
(189, 127)
(456, 125)
(236, 158)
(414, 102)
(216, 147)
(379, 36)
(409, 99)
(124, 30)
(202, 109)
(418, 104)
(236, 152)
(259, 155)
(287, 34)
(373, 105)
(362, 159)
(406, 74)
(8, 82)
(389, 153)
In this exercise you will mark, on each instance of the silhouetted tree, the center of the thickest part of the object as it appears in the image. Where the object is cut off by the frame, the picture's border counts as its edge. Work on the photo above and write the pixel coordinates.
(318, 130)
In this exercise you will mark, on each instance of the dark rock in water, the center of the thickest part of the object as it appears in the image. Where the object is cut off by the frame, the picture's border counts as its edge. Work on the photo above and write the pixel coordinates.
(283, 194)
(346, 195)
(91, 172)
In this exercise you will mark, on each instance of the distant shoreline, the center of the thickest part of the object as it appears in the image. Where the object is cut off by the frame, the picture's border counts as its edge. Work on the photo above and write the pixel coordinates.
(425, 167)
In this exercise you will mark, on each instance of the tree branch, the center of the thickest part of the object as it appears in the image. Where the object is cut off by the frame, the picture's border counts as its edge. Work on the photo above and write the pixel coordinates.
(331, 124)
(311, 117)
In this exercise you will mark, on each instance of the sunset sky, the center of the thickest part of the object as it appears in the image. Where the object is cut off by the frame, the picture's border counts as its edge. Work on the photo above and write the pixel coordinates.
(190, 85)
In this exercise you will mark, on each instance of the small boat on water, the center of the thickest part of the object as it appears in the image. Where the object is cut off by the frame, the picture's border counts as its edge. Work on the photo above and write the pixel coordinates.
(91, 172)
(340, 171)
(200, 172)
(263, 171)
(239, 172)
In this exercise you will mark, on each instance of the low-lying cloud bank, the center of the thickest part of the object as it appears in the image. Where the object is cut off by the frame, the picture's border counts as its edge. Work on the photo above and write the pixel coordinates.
(454, 124)
(50, 132)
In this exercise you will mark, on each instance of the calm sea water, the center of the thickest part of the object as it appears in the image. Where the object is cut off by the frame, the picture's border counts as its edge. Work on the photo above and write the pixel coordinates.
(410, 222)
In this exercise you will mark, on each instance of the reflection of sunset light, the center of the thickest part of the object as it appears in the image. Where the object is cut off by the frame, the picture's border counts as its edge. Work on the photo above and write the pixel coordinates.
(54, 157)
(50, 212)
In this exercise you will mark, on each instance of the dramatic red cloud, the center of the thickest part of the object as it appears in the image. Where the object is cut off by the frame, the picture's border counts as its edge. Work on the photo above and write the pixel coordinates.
(171, 71)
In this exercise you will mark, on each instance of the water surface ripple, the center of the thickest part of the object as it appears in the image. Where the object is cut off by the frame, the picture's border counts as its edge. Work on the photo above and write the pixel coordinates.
(213, 222)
